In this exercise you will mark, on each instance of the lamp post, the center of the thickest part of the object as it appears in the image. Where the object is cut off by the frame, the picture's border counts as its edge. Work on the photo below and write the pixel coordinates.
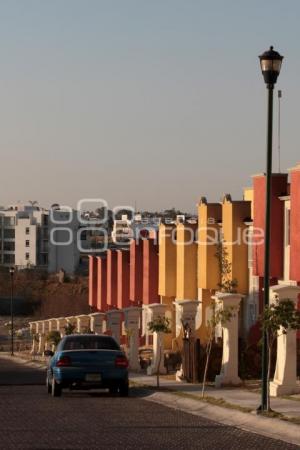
(12, 272)
(270, 63)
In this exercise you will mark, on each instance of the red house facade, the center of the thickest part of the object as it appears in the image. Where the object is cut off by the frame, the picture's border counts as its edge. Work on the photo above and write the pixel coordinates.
(112, 279)
(101, 284)
(126, 277)
(123, 275)
(279, 188)
(294, 224)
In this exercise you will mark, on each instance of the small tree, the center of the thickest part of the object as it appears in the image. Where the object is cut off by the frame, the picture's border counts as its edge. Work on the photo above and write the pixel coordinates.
(129, 334)
(53, 337)
(225, 267)
(70, 328)
(219, 316)
(276, 320)
(161, 326)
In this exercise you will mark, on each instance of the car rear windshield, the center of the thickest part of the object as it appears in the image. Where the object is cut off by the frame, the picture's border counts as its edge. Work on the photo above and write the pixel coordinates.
(90, 343)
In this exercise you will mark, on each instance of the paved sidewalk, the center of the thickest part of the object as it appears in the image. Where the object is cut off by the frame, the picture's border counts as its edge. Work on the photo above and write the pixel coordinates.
(238, 397)
(230, 407)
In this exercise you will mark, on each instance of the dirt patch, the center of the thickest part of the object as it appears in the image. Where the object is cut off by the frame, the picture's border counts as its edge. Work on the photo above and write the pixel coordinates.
(44, 296)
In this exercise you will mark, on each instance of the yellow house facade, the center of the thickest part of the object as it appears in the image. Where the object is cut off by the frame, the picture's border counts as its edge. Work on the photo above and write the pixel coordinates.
(167, 263)
(209, 221)
(186, 264)
(167, 266)
(235, 215)
(189, 266)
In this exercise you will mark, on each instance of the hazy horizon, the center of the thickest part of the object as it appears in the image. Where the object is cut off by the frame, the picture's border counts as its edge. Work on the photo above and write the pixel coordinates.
(155, 103)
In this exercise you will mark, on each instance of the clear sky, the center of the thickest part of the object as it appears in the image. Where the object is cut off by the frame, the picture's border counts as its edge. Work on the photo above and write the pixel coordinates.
(154, 101)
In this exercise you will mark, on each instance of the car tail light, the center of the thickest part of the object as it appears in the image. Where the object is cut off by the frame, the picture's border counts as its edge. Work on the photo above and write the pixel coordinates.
(64, 361)
(121, 361)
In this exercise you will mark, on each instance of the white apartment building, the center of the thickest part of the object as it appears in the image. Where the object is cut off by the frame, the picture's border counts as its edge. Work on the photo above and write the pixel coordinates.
(122, 229)
(31, 236)
(23, 236)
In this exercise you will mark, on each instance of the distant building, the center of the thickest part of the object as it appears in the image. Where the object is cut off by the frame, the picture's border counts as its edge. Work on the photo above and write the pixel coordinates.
(64, 248)
(24, 236)
(125, 229)
(31, 236)
(122, 229)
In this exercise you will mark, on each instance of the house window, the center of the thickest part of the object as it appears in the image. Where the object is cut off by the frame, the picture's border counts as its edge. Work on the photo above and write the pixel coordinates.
(27, 256)
(27, 243)
(27, 230)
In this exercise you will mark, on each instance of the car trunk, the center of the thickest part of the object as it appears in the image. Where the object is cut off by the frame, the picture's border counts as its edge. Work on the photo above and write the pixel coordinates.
(104, 359)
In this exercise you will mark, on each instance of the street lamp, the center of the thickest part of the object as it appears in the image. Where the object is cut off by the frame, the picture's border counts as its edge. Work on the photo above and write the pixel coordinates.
(12, 272)
(270, 63)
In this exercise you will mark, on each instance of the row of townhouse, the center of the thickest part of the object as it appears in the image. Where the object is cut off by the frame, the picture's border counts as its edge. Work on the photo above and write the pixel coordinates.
(177, 264)
(181, 263)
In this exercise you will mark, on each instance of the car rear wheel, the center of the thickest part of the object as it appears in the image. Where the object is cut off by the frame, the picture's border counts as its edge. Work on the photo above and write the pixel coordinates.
(124, 390)
(55, 388)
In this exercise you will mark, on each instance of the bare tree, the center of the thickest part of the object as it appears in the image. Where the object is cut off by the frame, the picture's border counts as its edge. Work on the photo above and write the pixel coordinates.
(160, 325)
(219, 316)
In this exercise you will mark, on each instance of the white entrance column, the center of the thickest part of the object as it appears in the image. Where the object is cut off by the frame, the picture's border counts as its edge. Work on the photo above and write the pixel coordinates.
(188, 314)
(132, 322)
(229, 370)
(146, 318)
(83, 324)
(157, 310)
(61, 324)
(52, 327)
(97, 323)
(33, 332)
(41, 344)
(45, 331)
(114, 319)
(285, 377)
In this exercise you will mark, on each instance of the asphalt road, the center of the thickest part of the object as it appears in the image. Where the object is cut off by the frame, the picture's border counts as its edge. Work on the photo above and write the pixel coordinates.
(30, 419)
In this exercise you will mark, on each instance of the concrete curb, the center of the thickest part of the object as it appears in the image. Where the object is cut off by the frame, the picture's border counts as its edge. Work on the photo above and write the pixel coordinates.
(269, 427)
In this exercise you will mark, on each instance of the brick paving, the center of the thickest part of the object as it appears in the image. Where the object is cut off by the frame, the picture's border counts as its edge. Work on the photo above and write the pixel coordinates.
(30, 419)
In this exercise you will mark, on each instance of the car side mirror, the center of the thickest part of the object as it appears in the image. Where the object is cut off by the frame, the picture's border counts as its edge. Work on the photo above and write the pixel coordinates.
(48, 353)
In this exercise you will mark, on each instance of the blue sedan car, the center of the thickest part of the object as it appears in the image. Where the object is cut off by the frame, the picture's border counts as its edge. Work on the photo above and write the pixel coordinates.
(87, 361)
